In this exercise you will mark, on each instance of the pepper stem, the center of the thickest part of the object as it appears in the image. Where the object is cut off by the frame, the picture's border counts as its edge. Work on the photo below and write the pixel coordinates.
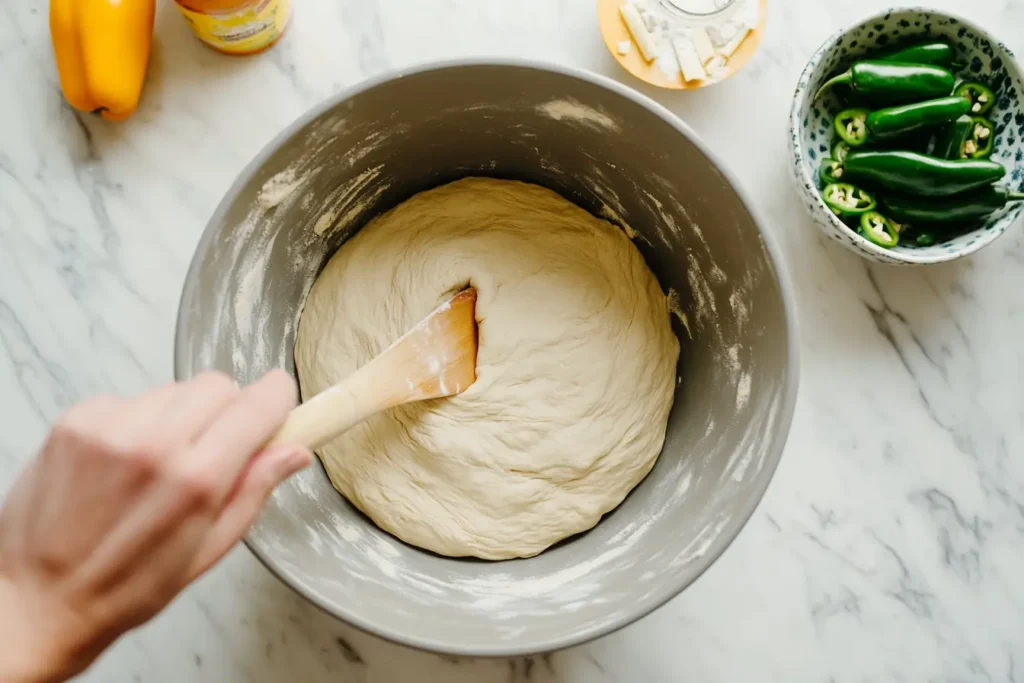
(843, 78)
(1015, 196)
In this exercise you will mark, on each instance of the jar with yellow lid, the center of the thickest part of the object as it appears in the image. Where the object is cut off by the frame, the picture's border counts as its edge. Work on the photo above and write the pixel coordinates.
(237, 27)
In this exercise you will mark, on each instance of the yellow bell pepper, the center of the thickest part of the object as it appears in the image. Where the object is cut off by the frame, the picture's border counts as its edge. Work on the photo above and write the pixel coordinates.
(102, 50)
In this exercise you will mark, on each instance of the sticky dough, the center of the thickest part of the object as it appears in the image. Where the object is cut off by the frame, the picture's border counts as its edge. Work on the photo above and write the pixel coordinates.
(575, 368)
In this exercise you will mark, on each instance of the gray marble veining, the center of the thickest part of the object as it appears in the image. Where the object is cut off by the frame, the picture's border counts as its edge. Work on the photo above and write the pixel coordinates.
(890, 546)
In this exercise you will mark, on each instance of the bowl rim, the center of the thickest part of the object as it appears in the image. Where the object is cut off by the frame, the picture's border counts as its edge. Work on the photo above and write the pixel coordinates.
(800, 95)
(786, 408)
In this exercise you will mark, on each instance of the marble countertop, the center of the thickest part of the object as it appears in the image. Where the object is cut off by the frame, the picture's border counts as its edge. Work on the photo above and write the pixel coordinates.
(890, 545)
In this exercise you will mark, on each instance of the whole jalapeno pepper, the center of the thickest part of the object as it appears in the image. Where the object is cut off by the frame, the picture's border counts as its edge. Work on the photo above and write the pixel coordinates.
(943, 210)
(979, 95)
(939, 53)
(926, 235)
(846, 200)
(916, 174)
(894, 121)
(981, 141)
(894, 83)
(915, 141)
(950, 142)
(879, 230)
(859, 126)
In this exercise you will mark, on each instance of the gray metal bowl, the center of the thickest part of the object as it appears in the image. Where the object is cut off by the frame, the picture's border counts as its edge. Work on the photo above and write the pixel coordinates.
(613, 152)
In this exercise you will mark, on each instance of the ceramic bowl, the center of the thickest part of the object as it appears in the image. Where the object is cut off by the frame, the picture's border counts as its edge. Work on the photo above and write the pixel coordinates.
(614, 31)
(810, 129)
(613, 152)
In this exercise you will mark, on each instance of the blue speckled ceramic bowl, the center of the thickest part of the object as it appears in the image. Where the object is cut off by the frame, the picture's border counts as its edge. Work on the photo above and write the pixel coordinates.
(810, 129)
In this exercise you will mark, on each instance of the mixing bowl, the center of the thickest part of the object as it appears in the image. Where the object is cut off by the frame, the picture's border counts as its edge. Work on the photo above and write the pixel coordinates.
(618, 155)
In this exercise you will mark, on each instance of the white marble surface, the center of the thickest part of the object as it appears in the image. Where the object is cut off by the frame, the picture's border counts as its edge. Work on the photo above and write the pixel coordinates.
(890, 546)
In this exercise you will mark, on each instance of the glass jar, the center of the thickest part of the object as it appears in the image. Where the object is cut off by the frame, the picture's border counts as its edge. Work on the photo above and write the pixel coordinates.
(237, 27)
(699, 12)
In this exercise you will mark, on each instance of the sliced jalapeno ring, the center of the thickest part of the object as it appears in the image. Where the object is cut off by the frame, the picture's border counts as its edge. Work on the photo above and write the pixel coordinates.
(847, 200)
(879, 230)
(830, 170)
(840, 148)
(981, 96)
(981, 140)
(852, 126)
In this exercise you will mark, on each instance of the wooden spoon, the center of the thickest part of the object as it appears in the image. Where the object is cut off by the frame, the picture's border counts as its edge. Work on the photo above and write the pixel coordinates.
(436, 358)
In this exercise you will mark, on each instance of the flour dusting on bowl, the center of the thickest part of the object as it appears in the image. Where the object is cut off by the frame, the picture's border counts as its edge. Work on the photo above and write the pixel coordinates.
(257, 261)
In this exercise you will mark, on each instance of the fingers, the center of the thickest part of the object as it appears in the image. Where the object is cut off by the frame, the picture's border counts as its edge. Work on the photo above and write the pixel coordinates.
(72, 433)
(242, 428)
(266, 471)
(143, 417)
(154, 401)
(198, 403)
(84, 416)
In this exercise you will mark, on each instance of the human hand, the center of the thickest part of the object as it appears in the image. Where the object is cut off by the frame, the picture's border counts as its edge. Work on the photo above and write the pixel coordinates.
(128, 502)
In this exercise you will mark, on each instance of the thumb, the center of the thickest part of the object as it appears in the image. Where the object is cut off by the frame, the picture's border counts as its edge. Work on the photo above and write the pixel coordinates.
(265, 471)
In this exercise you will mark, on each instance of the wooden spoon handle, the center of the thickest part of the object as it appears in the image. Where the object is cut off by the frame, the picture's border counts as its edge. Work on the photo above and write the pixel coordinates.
(434, 359)
(332, 411)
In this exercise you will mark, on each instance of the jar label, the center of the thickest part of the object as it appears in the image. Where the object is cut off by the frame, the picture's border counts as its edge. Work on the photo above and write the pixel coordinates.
(241, 31)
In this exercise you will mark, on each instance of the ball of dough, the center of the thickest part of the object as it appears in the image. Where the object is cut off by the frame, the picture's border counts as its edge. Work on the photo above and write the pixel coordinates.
(576, 368)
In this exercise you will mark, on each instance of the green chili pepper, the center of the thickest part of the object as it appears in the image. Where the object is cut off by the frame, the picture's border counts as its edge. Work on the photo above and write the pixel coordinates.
(857, 127)
(981, 141)
(938, 53)
(915, 141)
(951, 141)
(909, 117)
(934, 233)
(980, 96)
(972, 206)
(830, 170)
(840, 148)
(879, 230)
(917, 174)
(894, 83)
(845, 200)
